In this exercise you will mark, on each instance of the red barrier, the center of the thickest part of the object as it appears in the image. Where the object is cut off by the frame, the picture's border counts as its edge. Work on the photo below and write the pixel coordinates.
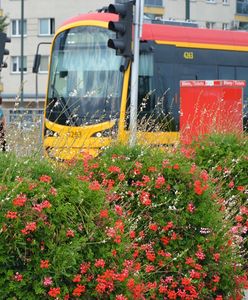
(208, 106)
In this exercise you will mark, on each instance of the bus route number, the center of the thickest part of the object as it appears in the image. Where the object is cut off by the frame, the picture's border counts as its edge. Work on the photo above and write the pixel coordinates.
(188, 55)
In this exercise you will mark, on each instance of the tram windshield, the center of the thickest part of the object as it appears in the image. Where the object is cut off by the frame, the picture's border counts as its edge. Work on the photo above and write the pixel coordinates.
(85, 82)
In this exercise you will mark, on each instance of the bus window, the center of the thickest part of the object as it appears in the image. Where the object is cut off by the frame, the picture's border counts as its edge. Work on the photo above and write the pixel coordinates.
(145, 97)
(242, 74)
(226, 72)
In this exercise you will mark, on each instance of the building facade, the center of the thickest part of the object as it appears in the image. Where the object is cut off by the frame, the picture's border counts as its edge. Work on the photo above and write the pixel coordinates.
(42, 18)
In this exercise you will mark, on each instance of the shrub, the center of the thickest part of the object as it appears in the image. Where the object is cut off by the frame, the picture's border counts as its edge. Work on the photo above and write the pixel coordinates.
(225, 158)
(132, 224)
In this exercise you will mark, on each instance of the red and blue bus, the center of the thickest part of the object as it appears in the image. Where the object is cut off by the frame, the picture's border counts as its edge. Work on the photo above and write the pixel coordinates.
(88, 97)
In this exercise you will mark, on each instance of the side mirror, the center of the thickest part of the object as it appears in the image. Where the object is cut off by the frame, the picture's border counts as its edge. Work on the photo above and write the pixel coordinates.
(36, 64)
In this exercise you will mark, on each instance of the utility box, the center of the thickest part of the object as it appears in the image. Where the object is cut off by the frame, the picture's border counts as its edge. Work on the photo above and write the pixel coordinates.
(210, 106)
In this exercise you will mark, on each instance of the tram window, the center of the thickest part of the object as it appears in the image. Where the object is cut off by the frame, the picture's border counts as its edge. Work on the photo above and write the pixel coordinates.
(146, 72)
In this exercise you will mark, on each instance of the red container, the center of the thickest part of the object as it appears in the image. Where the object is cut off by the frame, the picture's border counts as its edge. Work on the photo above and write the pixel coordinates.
(208, 106)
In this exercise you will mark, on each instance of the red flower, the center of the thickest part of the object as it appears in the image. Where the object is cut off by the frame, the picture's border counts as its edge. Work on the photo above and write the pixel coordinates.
(204, 175)
(46, 204)
(53, 191)
(114, 169)
(132, 234)
(121, 176)
(11, 215)
(149, 268)
(120, 297)
(44, 264)
(172, 294)
(194, 274)
(70, 233)
(191, 207)
(216, 278)
(176, 167)
(18, 277)
(152, 169)
(77, 278)
(216, 256)
(84, 267)
(168, 226)
(94, 186)
(104, 213)
(240, 188)
(30, 227)
(78, 290)
(153, 227)
(186, 281)
(45, 178)
(200, 254)
(165, 240)
(160, 181)
(150, 255)
(100, 263)
(20, 200)
(145, 198)
(118, 210)
(231, 184)
(197, 187)
(189, 261)
(54, 292)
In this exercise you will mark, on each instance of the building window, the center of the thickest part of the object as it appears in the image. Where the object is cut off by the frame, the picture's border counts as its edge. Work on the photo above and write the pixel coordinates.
(210, 25)
(225, 2)
(225, 26)
(16, 64)
(16, 27)
(44, 64)
(242, 7)
(154, 3)
(47, 26)
(211, 1)
(147, 2)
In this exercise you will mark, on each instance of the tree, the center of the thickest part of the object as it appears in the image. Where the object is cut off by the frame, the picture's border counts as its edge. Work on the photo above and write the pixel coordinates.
(3, 23)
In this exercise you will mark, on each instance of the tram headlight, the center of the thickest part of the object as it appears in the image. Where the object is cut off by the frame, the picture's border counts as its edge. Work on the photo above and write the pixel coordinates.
(50, 133)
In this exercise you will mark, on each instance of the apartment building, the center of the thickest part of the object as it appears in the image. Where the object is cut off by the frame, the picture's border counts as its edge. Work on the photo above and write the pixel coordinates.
(42, 18)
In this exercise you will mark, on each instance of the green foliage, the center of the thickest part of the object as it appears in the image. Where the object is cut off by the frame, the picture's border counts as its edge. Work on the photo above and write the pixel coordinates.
(133, 223)
(3, 23)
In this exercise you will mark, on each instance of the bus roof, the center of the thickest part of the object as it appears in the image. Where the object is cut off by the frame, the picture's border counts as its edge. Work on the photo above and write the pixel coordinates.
(170, 34)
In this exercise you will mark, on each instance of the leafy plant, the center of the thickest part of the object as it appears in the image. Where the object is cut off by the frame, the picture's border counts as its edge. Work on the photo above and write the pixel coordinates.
(134, 223)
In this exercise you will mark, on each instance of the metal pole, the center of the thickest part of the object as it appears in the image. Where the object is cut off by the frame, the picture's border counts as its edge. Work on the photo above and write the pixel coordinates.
(135, 72)
(22, 51)
(187, 10)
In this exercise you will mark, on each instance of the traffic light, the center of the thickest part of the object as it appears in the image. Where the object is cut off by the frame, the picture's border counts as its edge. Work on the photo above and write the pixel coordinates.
(123, 28)
(3, 39)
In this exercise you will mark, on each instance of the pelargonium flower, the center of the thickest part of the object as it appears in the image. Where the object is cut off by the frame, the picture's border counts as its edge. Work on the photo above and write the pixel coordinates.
(47, 281)
(20, 200)
(54, 292)
(45, 178)
(44, 264)
(11, 215)
(100, 263)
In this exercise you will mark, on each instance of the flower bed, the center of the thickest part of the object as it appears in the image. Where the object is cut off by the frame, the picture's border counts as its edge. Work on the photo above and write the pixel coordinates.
(132, 224)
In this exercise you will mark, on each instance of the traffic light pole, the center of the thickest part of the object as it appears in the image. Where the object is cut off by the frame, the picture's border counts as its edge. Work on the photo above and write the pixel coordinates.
(138, 22)
(22, 54)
